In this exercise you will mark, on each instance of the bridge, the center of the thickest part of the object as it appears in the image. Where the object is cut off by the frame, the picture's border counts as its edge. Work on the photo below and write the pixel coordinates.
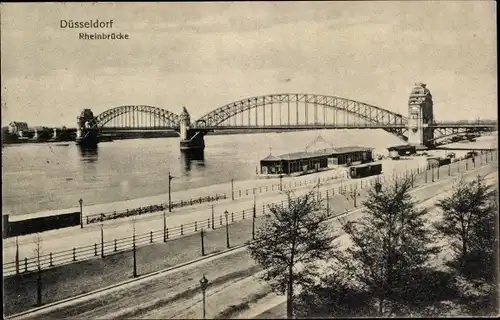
(282, 112)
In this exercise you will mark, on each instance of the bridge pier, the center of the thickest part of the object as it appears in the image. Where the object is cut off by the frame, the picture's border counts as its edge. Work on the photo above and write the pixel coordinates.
(86, 135)
(191, 139)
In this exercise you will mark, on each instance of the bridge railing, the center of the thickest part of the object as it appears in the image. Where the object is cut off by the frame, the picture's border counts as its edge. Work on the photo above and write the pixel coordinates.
(349, 190)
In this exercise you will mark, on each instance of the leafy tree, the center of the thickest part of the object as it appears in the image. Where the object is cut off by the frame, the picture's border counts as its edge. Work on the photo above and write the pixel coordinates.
(289, 243)
(390, 250)
(469, 222)
(333, 296)
(470, 218)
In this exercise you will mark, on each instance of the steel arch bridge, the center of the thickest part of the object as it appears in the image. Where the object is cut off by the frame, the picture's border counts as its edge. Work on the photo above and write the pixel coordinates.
(291, 111)
(136, 117)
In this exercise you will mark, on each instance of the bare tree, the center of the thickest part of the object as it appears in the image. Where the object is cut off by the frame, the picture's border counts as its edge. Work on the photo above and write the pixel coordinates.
(38, 252)
(292, 235)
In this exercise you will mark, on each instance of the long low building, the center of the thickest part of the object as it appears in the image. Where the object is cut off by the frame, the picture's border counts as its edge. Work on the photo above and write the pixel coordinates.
(294, 163)
(348, 155)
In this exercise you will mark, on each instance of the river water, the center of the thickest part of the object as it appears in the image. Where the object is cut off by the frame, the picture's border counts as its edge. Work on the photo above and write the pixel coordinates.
(39, 177)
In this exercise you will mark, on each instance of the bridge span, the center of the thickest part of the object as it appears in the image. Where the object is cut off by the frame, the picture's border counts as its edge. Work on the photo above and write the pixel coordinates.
(283, 112)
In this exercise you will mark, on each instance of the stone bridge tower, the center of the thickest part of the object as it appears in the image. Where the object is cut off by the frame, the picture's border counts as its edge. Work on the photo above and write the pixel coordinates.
(420, 115)
(192, 138)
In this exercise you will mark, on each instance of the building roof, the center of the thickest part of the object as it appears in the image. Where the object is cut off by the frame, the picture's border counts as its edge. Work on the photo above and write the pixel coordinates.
(296, 156)
(303, 155)
(270, 157)
(342, 150)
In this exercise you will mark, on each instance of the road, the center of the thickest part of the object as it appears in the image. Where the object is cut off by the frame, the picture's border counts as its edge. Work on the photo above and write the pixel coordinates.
(176, 294)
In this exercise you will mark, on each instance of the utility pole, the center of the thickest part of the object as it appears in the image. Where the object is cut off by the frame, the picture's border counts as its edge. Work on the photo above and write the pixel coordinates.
(102, 236)
(81, 212)
(17, 256)
(133, 249)
(164, 226)
(227, 229)
(232, 189)
(202, 244)
(213, 220)
(253, 218)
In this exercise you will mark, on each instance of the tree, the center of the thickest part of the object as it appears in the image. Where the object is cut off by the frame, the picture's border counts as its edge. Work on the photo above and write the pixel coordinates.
(390, 250)
(469, 223)
(290, 241)
(333, 296)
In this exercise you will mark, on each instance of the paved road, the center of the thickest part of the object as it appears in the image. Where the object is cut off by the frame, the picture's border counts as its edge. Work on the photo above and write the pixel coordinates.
(176, 294)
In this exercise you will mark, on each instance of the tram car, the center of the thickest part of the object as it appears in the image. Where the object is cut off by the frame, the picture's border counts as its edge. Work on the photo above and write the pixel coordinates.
(365, 170)
(437, 162)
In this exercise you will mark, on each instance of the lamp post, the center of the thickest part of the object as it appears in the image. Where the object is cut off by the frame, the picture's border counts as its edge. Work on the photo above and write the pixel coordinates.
(232, 189)
(81, 212)
(169, 192)
(253, 218)
(281, 182)
(204, 285)
(227, 228)
(102, 236)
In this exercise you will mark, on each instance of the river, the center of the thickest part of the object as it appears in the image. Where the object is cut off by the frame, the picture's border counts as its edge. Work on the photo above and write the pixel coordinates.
(38, 177)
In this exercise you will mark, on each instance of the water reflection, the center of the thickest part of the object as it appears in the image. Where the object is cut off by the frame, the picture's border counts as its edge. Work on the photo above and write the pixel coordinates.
(189, 157)
(88, 154)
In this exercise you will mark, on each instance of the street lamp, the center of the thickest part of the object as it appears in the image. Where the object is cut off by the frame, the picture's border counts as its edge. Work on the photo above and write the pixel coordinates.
(253, 217)
(281, 182)
(203, 285)
(169, 192)
(227, 228)
(81, 212)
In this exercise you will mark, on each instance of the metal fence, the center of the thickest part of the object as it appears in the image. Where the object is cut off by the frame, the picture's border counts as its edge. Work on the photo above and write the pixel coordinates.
(99, 217)
(349, 190)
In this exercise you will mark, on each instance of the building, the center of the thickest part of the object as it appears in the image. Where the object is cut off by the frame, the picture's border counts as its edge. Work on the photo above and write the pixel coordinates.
(349, 155)
(299, 162)
(15, 127)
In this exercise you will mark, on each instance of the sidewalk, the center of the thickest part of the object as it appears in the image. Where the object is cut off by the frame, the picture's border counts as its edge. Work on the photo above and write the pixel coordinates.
(72, 279)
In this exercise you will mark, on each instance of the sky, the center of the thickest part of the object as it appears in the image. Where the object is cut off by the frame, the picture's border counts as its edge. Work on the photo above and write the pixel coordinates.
(206, 55)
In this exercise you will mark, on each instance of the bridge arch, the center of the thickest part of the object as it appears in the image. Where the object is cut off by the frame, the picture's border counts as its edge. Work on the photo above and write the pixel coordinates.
(167, 118)
(361, 110)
